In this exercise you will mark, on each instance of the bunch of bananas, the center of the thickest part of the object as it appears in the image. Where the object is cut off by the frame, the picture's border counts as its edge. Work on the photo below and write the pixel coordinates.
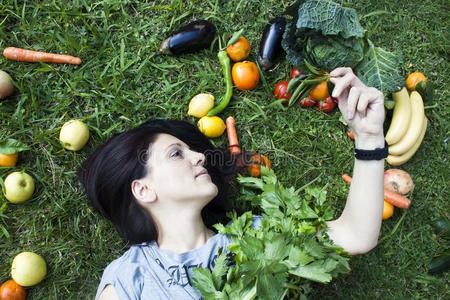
(407, 128)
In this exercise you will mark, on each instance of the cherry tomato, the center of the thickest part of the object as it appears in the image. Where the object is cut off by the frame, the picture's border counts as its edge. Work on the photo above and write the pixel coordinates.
(295, 72)
(307, 102)
(245, 75)
(326, 105)
(280, 91)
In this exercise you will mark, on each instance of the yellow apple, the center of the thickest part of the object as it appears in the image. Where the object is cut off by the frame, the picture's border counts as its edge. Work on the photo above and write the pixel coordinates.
(28, 269)
(19, 187)
(74, 135)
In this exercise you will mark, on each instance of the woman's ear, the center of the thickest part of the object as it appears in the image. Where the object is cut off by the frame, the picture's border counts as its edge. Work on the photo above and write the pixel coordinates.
(142, 191)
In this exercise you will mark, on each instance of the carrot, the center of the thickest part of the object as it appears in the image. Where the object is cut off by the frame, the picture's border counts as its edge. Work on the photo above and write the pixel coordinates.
(347, 178)
(233, 142)
(18, 54)
(395, 199)
(351, 135)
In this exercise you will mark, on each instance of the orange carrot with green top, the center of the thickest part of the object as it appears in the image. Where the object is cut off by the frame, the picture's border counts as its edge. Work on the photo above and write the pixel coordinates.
(24, 55)
(395, 199)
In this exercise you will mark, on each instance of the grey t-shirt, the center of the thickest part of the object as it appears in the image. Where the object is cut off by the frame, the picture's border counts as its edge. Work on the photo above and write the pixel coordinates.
(146, 272)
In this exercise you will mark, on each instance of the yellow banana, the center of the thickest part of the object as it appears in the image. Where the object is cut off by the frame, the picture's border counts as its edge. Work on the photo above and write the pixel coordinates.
(401, 117)
(414, 129)
(394, 160)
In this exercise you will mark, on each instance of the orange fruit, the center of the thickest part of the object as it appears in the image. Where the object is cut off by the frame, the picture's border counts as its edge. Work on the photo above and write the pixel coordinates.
(256, 160)
(413, 79)
(320, 91)
(8, 160)
(388, 210)
(10, 290)
(245, 75)
(239, 50)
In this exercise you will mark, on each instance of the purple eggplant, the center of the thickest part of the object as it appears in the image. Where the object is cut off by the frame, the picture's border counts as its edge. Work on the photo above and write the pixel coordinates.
(270, 46)
(191, 37)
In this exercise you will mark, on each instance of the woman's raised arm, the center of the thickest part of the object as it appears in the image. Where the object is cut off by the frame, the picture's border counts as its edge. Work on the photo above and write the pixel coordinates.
(358, 227)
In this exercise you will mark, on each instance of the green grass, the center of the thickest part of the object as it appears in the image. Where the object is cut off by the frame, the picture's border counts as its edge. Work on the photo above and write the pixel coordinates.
(115, 90)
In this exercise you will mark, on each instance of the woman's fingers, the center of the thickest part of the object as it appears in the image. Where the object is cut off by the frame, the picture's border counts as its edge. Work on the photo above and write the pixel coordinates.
(359, 100)
(340, 72)
(342, 102)
(340, 84)
(352, 101)
(363, 101)
(343, 78)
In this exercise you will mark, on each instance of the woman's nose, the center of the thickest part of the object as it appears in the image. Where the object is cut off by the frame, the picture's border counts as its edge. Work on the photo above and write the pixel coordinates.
(199, 159)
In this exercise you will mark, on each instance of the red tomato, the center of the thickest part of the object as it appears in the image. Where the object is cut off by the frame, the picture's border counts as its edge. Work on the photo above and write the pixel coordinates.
(307, 102)
(327, 105)
(295, 72)
(280, 91)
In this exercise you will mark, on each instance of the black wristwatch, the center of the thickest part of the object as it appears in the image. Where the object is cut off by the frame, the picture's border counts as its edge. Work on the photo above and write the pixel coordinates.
(375, 154)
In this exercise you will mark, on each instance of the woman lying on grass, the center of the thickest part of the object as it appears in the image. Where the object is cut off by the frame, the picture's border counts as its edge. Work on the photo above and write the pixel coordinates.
(163, 192)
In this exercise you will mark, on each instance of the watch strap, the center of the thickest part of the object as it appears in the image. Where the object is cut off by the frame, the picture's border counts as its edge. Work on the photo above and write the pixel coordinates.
(375, 154)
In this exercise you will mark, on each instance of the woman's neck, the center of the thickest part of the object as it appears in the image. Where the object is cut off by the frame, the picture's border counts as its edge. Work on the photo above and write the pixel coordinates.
(181, 232)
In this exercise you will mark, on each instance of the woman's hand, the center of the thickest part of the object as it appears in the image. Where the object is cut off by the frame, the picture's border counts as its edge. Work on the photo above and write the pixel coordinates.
(361, 106)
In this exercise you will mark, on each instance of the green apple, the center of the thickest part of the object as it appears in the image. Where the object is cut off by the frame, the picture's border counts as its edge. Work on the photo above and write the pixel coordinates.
(28, 269)
(19, 187)
(6, 85)
(74, 135)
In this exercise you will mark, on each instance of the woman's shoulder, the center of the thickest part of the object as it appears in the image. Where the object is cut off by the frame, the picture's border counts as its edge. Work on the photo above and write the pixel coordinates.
(130, 257)
(125, 272)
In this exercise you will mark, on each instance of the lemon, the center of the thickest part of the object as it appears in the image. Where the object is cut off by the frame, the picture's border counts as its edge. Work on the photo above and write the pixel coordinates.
(200, 105)
(211, 126)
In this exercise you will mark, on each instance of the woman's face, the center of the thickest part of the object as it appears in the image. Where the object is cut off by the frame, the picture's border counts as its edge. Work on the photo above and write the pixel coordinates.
(176, 174)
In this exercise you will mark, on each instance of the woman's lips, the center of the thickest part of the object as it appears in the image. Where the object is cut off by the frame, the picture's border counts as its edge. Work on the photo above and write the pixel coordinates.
(203, 172)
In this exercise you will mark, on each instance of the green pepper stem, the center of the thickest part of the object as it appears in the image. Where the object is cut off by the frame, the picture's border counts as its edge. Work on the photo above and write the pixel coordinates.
(226, 70)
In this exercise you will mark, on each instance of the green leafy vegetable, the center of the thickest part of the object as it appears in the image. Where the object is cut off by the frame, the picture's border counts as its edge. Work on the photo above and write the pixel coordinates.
(380, 69)
(293, 45)
(11, 146)
(280, 257)
(329, 18)
(332, 52)
(329, 36)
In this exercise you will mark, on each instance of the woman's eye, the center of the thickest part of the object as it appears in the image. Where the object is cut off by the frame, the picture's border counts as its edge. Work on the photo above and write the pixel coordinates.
(176, 153)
